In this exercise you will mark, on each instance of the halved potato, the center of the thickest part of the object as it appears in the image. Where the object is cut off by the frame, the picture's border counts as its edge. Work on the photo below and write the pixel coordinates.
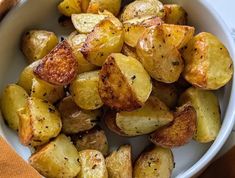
(92, 164)
(84, 90)
(119, 163)
(123, 83)
(175, 14)
(93, 139)
(129, 51)
(135, 28)
(57, 159)
(59, 67)
(36, 44)
(162, 61)
(180, 131)
(69, 7)
(39, 121)
(156, 162)
(13, 98)
(106, 38)
(208, 113)
(208, 64)
(153, 115)
(75, 119)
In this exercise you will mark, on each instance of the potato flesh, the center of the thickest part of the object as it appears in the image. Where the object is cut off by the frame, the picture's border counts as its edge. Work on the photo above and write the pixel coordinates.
(175, 14)
(69, 7)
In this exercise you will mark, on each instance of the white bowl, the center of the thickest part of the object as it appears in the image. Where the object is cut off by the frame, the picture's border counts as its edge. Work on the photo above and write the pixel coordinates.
(191, 158)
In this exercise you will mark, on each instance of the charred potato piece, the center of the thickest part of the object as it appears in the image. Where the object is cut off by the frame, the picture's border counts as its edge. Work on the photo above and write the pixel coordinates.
(106, 38)
(59, 159)
(208, 113)
(84, 90)
(175, 14)
(75, 119)
(153, 115)
(93, 139)
(13, 98)
(135, 28)
(39, 121)
(36, 44)
(59, 67)
(162, 61)
(142, 8)
(129, 51)
(119, 163)
(156, 162)
(123, 83)
(69, 7)
(92, 164)
(208, 64)
(180, 131)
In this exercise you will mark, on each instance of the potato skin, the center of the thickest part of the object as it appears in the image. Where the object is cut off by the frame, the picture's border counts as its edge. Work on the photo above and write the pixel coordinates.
(57, 159)
(175, 14)
(154, 162)
(119, 163)
(129, 51)
(13, 98)
(69, 7)
(208, 64)
(35, 44)
(208, 113)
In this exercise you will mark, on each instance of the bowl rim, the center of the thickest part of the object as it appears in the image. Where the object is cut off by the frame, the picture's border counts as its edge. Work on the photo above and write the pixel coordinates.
(229, 112)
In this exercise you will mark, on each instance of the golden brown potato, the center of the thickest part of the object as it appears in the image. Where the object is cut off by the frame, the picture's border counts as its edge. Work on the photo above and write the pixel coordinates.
(208, 113)
(167, 93)
(92, 164)
(142, 8)
(84, 5)
(93, 139)
(57, 159)
(112, 18)
(129, 51)
(13, 98)
(162, 61)
(59, 67)
(106, 38)
(100, 5)
(156, 162)
(208, 64)
(153, 115)
(175, 14)
(135, 28)
(36, 44)
(75, 119)
(119, 163)
(84, 90)
(39, 121)
(123, 83)
(180, 131)
(69, 7)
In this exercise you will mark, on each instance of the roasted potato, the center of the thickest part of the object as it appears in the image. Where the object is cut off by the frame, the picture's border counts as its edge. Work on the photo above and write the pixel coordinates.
(75, 119)
(162, 61)
(208, 64)
(13, 98)
(100, 5)
(175, 14)
(119, 163)
(123, 83)
(93, 139)
(92, 164)
(180, 131)
(112, 18)
(167, 93)
(156, 162)
(129, 51)
(59, 67)
(69, 7)
(36, 44)
(84, 5)
(57, 159)
(142, 8)
(135, 28)
(39, 121)
(208, 113)
(84, 90)
(46, 91)
(153, 115)
(106, 38)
